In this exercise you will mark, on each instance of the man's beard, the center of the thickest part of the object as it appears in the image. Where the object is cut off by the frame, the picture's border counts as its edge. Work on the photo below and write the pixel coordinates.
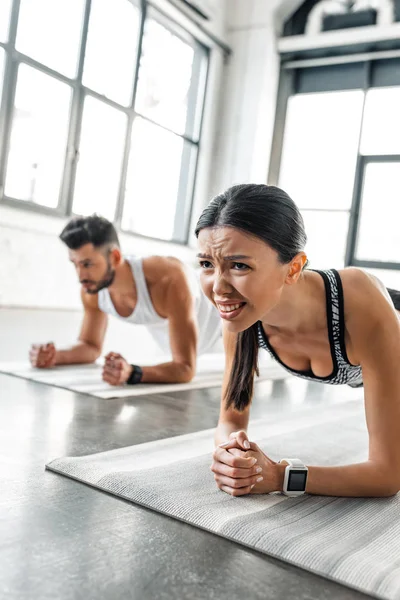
(103, 283)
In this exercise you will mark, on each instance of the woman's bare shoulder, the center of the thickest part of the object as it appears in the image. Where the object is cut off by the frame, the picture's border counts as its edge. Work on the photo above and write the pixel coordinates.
(364, 293)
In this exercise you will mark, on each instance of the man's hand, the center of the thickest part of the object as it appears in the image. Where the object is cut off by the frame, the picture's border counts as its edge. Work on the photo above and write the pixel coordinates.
(42, 356)
(240, 467)
(116, 370)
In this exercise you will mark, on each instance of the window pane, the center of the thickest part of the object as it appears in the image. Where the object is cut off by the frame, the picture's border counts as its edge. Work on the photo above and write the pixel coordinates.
(318, 167)
(326, 250)
(164, 77)
(38, 138)
(5, 13)
(50, 32)
(378, 237)
(111, 49)
(381, 126)
(100, 159)
(2, 57)
(152, 186)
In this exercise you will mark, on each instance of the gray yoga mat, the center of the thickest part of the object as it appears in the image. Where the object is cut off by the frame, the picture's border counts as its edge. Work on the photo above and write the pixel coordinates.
(354, 541)
(86, 379)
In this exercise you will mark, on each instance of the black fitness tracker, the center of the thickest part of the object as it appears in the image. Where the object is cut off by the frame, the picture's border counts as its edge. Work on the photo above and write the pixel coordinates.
(135, 376)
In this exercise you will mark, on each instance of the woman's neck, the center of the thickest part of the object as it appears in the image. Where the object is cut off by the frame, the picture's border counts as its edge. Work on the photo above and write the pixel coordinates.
(301, 307)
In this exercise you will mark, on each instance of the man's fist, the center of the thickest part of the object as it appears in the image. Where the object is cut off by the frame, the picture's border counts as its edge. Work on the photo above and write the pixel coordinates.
(116, 370)
(42, 356)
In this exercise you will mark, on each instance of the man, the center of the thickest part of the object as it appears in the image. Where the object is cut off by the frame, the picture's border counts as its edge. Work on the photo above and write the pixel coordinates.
(159, 292)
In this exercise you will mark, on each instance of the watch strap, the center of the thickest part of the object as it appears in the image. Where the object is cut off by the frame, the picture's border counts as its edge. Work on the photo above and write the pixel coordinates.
(135, 376)
(293, 462)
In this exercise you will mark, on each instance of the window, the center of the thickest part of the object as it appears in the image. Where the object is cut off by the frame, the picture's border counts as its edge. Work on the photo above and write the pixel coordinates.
(50, 32)
(378, 237)
(317, 169)
(111, 49)
(165, 76)
(100, 159)
(5, 13)
(2, 55)
(378, 206)
(103, 112)
(38, 138)
(165, 137)
(381, 125)
(341, 163)
(155, 174)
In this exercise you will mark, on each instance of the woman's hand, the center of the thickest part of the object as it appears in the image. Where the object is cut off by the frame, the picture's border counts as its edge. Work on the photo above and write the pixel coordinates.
(116, 370)
(240, 467)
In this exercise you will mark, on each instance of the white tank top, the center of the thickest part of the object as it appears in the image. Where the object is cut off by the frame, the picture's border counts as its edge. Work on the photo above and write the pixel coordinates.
(208, 320)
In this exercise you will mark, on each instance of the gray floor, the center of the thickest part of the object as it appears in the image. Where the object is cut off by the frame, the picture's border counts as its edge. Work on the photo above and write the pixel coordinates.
(63, 540)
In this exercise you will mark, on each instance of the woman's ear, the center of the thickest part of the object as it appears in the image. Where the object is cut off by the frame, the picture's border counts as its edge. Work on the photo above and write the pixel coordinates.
(296, 267)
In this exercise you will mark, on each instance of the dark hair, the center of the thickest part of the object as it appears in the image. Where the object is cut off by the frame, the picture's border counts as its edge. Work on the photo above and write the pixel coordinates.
(94, 230)
(268, 213)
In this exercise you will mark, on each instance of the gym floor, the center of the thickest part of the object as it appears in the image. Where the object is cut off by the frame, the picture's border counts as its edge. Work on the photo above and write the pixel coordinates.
(61, 539)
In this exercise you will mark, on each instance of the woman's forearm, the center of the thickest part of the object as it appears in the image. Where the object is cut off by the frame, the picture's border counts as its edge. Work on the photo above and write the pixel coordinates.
(367, 479)
(225, 428)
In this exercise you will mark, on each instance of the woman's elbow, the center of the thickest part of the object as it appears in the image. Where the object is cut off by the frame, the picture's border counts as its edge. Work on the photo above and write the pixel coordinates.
(390, 486)
(391, 489)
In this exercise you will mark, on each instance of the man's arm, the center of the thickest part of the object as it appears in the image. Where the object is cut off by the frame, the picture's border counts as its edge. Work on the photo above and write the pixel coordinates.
(178, 304)
(91, 337)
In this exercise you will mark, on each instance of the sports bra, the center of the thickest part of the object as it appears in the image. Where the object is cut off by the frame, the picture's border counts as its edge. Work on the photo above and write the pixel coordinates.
(343, 371)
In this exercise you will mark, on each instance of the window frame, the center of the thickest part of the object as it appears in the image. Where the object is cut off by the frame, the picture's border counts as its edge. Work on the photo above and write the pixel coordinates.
(198, 91)
(286, 89)
(359, 184)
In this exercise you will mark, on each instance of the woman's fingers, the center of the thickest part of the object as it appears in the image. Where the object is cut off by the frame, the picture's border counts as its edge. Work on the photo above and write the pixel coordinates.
(234, 443)
(237, 484)
(235, 491)
(222, 456)
(241, 439)
(234, 473)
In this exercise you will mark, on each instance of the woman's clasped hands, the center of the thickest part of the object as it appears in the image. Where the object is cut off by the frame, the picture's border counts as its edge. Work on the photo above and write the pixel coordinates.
(240, 467)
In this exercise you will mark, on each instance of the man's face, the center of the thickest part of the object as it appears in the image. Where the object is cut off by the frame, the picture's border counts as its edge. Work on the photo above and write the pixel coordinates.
(93, 267)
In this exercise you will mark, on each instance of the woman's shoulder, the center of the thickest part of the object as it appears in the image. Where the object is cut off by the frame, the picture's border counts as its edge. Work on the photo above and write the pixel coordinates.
(357, 281)
(364, 294)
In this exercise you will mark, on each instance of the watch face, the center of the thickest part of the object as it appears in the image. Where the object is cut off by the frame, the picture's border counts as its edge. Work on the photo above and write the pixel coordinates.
(297, 480)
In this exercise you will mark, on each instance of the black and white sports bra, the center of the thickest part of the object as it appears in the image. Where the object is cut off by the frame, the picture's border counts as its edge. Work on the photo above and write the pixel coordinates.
(343, 371)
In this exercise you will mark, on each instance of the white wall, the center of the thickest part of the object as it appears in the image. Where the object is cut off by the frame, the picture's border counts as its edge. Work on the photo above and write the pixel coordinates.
(243, 142)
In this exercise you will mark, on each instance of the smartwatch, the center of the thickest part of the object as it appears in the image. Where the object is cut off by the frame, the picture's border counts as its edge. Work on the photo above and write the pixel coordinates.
(135, 376)
(294, 483)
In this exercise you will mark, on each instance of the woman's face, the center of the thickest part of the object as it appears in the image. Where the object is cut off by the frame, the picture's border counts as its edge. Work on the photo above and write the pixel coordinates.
(240, 274)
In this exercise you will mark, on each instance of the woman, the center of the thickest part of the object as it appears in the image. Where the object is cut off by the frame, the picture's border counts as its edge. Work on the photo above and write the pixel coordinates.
(328, 326)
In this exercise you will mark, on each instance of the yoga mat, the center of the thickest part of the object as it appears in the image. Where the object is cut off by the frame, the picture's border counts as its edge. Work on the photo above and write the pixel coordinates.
(353, 541)
(86, 379)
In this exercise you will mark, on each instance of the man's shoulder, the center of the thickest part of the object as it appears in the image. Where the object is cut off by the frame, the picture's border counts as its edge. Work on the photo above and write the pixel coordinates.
(163, 269)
